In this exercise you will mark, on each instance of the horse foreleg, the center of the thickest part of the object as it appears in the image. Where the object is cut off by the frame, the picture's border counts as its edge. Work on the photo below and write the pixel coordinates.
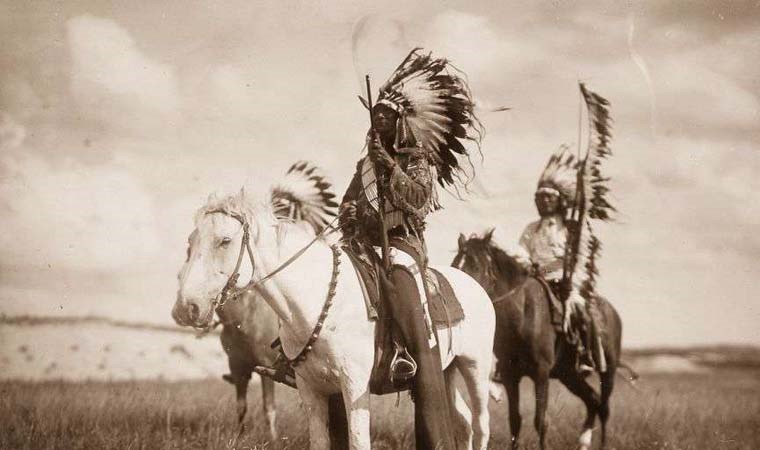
(460, 412)
(541, 384)
(267, 397)
(512, 385)
(315, 404)
(241, 393)
(356, 401)
(608, 384)
(579, 387)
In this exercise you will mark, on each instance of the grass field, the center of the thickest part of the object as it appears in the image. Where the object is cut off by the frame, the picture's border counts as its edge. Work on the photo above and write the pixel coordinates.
(715, 410)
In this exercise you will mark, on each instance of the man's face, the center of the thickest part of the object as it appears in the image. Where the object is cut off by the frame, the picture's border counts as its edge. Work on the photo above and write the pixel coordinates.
(547, 203)
(385, 119)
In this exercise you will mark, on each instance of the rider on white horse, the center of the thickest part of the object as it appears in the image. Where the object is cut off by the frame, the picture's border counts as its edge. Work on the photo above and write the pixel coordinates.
(422, 112)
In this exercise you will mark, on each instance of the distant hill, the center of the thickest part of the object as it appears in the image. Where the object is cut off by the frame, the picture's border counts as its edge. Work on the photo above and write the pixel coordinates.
(100, 348)
(97, 348)
(695, 358)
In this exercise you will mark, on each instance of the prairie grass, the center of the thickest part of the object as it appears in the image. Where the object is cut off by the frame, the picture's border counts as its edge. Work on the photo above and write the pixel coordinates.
(714, 410)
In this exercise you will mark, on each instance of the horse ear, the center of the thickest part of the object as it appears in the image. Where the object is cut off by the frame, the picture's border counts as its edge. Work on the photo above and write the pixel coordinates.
(242, 192)
(461, 241)
(489, 234)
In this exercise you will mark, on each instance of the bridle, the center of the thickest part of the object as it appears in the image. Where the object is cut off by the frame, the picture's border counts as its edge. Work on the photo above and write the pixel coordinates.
(490, 276)
(245, 245)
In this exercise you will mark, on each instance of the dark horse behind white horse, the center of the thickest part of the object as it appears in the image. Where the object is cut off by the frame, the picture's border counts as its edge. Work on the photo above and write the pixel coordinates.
(526, 342)
(249, 325)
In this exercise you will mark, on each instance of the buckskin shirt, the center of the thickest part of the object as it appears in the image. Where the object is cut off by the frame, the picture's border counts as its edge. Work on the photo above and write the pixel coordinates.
(544, 242)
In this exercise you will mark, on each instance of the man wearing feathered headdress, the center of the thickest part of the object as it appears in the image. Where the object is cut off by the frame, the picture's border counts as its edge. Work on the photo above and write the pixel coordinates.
(561, 247)
(423, 113)
(543, 244)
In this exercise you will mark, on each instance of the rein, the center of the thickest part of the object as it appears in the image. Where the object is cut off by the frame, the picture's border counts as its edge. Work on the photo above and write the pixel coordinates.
(245, 245)
(504, 296)
(323, 314)
(493, 278)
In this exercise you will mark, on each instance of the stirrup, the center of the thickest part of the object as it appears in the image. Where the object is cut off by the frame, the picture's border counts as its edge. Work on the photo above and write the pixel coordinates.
(403, 366)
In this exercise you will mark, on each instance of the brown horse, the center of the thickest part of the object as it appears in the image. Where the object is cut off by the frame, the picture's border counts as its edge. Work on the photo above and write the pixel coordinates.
(527, 343)
(249, 327)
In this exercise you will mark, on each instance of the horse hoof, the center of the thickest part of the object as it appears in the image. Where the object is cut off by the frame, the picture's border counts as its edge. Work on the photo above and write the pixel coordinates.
(584, 440)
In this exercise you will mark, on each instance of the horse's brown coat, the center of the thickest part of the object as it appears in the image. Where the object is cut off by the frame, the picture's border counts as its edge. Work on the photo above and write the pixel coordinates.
(527, 344)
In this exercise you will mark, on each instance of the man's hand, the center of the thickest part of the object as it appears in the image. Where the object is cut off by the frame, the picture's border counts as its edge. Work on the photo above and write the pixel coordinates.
(378, 154)
(573, 305)
(347, 212)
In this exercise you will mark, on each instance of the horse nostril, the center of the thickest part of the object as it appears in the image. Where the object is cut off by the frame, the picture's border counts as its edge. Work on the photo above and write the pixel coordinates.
(195, 312)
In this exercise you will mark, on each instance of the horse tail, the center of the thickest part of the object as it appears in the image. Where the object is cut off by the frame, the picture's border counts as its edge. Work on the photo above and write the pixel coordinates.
(305, 195)
(633, 376)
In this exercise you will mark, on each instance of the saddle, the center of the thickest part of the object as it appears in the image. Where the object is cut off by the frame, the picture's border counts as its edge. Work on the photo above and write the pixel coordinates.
(593, 334)
(556, 307)
(443, 306)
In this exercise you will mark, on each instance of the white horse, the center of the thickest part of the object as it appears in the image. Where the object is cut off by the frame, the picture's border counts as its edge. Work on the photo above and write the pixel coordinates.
(312, 288)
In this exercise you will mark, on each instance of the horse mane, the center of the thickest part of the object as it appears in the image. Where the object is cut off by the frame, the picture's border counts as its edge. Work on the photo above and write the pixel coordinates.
(232, 205)
(302, 197)
(505, 266)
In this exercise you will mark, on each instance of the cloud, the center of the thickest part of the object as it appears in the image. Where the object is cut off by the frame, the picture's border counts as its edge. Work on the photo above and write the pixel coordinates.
(12, 134)
(18, 97)
(113, 82)
(79, 217)
(696, 98)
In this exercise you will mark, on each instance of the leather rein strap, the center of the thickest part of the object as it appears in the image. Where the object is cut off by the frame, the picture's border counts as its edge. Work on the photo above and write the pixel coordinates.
(245, 245)
(322, 315)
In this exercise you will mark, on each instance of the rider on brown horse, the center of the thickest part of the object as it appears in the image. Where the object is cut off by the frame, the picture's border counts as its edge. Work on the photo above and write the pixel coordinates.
(542, 249)
(422, 112)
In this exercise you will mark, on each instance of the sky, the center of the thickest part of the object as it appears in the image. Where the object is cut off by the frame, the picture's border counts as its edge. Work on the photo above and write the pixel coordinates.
(117, 122)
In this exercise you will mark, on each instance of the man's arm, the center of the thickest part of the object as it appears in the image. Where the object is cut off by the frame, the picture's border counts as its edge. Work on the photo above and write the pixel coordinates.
(521, 251)
(410, 190)
(347, 209)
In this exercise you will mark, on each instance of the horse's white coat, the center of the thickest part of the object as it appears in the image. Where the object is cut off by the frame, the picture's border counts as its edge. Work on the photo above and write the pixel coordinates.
(341, 359)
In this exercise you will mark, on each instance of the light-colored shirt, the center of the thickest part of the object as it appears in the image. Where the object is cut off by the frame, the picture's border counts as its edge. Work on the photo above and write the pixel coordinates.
(544, 243)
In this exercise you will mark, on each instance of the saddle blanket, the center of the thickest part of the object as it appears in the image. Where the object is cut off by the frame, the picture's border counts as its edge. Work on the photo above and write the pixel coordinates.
(444, 308)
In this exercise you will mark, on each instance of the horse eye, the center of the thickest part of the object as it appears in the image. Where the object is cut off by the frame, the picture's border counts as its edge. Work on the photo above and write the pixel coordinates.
(225, 242)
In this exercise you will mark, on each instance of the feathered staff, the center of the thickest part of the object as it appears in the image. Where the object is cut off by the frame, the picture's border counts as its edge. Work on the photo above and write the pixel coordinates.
(584, 247)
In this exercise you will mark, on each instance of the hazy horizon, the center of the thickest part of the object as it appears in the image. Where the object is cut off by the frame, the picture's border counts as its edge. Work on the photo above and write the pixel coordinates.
(116, 123)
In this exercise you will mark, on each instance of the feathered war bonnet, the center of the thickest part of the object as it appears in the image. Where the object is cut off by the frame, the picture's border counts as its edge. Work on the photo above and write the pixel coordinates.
(436, 112)
(560, 176)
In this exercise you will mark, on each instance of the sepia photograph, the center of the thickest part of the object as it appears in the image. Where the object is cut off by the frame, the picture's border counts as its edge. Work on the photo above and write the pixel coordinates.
(484, 224)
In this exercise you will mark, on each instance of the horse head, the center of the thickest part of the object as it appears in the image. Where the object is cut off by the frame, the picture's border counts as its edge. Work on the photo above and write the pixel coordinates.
(213, 265)
(227, 234)
(489, 265)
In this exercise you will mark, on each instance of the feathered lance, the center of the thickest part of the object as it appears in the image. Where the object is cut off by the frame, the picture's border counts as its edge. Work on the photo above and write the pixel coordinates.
(380, 184)
(589, 178)
(576, 217)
